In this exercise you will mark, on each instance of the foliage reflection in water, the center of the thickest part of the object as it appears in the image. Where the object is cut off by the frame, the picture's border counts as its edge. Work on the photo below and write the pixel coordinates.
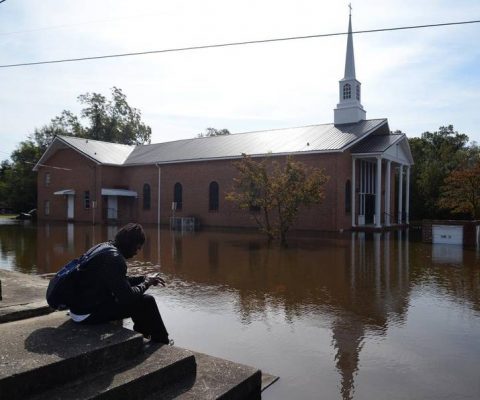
(350, 316)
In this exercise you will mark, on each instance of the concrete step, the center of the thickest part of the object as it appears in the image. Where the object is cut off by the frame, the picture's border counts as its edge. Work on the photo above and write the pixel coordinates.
(39, 353)
(156, 368)
(23, 296)
(216, 378)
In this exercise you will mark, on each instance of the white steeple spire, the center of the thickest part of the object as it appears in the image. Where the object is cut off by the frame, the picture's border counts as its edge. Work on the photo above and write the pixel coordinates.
(349, 109)
(350, 59)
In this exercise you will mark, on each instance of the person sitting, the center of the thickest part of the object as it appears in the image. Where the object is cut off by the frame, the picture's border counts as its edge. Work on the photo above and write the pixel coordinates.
(105, 293)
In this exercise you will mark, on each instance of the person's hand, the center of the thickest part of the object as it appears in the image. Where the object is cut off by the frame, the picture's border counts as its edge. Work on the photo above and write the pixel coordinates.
(154, 280)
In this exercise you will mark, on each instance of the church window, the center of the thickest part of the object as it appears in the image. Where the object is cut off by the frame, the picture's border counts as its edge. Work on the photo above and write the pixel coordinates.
(146, 196)
(46, 207)
(47, 178)
(358, 92)
(177, 195)
(348, 197)
(213, 196)
(347, 91)
(86, 199)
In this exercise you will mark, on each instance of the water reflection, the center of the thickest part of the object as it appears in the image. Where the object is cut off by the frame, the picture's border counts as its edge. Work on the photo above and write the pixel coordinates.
(357, 286)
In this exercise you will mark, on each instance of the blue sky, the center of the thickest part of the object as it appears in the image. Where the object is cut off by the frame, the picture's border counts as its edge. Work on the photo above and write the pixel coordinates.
(418, 79)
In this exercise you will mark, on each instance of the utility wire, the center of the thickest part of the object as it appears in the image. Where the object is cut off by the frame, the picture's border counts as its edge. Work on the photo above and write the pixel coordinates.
(211, 46)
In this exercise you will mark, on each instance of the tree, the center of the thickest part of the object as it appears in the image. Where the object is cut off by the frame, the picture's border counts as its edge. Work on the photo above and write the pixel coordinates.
(461, 191)
(66, 124)
(113, 120)
(18, 182)
(108, 120)
(436, 155)
(213, 132)
(275, 191)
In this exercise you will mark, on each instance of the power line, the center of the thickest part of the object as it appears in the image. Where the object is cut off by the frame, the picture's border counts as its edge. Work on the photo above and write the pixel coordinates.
(218, 45)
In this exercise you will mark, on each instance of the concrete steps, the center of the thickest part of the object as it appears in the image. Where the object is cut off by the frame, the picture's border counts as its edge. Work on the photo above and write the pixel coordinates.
(51, 357)
(153, 370)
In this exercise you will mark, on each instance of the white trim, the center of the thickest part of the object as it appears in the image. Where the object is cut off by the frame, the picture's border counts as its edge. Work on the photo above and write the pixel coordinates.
(378, 194)
(407, 197)
(50, 148)
(400, 193)
(387, 193)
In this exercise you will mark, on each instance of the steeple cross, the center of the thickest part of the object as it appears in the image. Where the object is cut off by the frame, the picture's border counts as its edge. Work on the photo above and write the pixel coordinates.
(350, 7)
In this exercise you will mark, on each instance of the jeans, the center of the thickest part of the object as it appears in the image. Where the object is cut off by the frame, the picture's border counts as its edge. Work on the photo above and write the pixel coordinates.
(144, 313)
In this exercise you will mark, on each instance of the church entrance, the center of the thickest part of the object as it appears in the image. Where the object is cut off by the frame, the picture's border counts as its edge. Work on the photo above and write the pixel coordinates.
(369, 209)
(368, 175)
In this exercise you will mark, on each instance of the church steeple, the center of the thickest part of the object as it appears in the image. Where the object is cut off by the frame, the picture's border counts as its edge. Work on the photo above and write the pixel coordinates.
(349, 109)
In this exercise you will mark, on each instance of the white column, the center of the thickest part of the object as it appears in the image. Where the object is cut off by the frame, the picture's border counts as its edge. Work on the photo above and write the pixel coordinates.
(378, 194)
(353, 186)
(407, 197)
(400, 193)
(387, 193)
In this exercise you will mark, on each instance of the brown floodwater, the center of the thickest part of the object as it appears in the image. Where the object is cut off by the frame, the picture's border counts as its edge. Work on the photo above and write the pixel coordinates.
(336, 316)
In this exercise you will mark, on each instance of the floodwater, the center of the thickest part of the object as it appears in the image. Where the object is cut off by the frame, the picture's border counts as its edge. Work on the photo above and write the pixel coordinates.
(336, 316)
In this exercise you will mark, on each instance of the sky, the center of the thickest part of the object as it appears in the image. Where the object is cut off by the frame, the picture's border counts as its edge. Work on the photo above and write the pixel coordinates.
(419, 79)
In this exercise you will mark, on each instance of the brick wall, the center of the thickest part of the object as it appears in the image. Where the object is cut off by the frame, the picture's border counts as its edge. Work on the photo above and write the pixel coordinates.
(195, 177)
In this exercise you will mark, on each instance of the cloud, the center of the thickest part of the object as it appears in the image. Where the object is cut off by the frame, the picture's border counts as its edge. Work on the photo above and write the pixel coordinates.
(419, 79)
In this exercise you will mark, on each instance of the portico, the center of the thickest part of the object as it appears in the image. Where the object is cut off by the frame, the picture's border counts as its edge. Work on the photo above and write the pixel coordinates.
(373, 178)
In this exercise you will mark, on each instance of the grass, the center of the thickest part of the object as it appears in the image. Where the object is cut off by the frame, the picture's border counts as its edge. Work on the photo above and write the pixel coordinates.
(7, 216)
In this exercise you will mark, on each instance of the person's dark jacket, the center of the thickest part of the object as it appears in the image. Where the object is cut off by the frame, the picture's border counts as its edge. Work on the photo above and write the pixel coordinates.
(104, 279)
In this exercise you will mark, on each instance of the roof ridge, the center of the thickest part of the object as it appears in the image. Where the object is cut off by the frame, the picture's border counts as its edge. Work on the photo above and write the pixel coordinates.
(257, 131)
(68, 137)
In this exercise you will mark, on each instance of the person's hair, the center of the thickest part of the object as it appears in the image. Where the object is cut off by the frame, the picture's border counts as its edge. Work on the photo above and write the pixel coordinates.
(129, 237)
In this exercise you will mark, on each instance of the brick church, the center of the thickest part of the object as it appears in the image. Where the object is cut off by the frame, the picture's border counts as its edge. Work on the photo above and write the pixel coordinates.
(85, 180)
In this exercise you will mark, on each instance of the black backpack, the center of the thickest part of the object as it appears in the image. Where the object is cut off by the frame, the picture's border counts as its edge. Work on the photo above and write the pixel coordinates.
(61, 288)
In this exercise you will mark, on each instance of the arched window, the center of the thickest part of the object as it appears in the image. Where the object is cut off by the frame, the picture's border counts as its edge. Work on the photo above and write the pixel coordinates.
(348, 197)
(213, 196)
(358, 92)
(177, 195)
(146, 196)
(347, 91)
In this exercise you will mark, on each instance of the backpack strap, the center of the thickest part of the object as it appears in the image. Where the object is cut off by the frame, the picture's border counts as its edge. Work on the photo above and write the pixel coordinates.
(97, 250)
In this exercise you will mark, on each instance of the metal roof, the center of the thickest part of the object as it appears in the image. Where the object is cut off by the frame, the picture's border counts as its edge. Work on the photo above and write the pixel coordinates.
(306, 139)
(376, 143)
(314, 138)
(102, 152)
(119, 192)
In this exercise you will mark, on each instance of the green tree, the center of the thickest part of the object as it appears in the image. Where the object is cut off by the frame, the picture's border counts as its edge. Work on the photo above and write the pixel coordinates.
(113, 120)
(18, 182)
(108, 120)
(66, 124)
(213, 132)
(436, 154)
(275, 191)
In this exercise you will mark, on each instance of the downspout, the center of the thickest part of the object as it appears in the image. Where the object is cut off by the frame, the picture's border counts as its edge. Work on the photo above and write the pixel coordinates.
(158, 194)
(158, 216)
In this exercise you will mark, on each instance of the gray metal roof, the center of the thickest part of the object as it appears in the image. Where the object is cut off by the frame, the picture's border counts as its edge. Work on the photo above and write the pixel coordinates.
(376, 143)
(305, 139)
(314, 138)
(102, 152)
